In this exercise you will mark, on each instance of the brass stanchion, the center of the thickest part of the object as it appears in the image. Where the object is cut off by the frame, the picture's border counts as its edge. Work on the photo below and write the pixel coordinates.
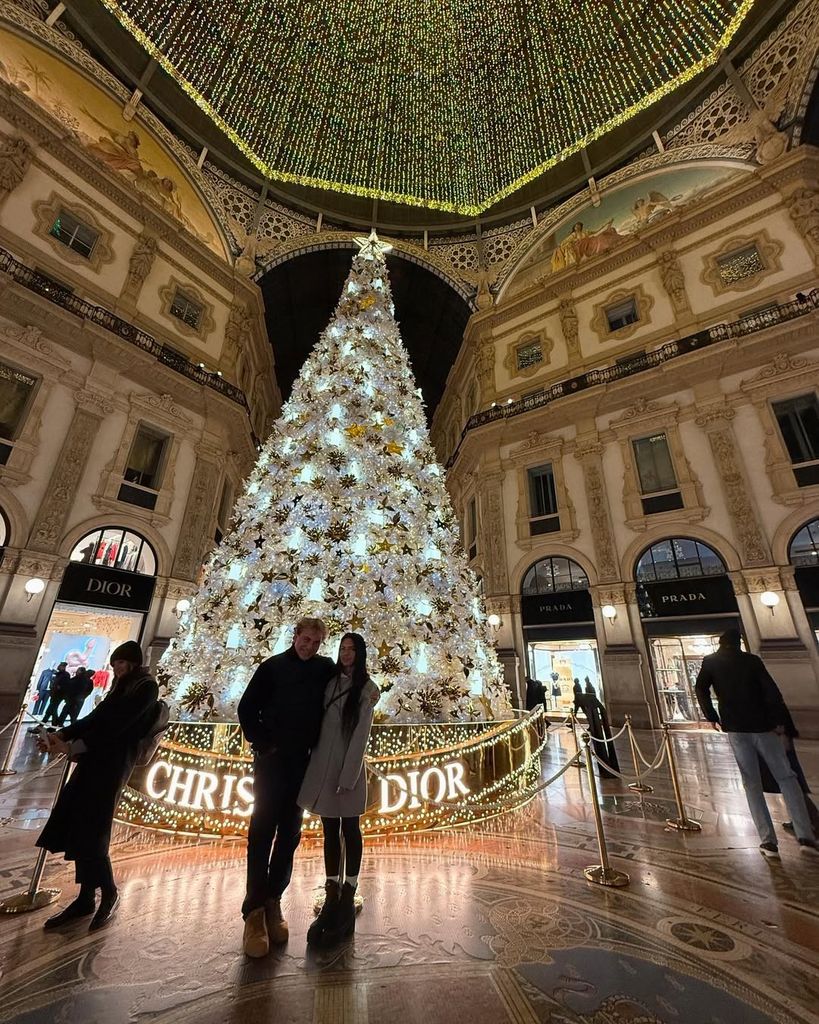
(683, 823)
(7, 769)
(602, 873)
(34, 898)
(573, 721)
(639, 786)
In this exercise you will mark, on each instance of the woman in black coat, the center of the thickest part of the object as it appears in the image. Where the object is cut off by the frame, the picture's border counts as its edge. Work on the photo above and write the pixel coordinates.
(104, 746)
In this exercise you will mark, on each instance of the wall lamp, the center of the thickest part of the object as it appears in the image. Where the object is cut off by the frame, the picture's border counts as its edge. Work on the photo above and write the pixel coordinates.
(770, 599)
(182, 605)
(33, 587)
(494, 622)
(609, 612)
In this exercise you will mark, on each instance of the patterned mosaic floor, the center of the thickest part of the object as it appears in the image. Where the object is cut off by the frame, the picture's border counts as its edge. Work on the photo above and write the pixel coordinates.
(489, 926)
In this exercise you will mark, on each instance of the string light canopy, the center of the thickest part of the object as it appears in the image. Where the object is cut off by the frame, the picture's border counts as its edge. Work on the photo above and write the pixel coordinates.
(445, 104)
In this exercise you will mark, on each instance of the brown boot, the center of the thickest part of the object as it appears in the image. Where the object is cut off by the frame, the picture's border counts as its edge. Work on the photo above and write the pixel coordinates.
(255, 941)
(277, 929)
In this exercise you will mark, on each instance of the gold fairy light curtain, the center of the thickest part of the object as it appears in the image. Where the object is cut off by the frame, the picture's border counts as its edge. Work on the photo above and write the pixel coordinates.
(448, 104)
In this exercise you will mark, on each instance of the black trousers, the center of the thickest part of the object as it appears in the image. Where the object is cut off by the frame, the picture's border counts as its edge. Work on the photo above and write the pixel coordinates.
(51, 711)
(71, 709)
(275, 827)
(95, 873)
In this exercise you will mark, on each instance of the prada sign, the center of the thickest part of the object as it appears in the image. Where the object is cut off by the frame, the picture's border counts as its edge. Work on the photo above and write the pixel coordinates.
(674, 599)
(107, 588)
(567, 606)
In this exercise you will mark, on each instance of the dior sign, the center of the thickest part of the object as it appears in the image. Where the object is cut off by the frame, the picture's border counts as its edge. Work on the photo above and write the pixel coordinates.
(108, 588)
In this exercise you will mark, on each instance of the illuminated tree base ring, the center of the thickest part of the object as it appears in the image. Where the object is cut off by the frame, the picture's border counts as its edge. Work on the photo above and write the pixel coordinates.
(421, 777)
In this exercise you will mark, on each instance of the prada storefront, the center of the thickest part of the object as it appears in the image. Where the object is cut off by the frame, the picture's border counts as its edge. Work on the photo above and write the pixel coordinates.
(559, 633)
(686, 601)
(104, 596)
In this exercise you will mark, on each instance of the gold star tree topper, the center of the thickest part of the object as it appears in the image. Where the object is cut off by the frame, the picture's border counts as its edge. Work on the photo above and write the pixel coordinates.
(371, 247)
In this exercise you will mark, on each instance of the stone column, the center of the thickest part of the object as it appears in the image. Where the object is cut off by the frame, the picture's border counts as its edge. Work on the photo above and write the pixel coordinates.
(485, 367)
(195, 535)
(492, 541)
(589, 454)
(716, 422)
(58, 501)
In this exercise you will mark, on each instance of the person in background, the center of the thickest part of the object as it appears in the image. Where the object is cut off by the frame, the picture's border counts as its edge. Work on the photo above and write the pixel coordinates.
(105, 747)
(535, 694)
(280, 715)
(41, 694)
(56, 691)
(753, 715)
(335, 786)
(599, 728)
(769, 783)
(75, 691)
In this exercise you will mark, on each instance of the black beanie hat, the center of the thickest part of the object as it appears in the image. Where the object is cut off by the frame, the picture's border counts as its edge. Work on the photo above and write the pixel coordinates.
(129, 651)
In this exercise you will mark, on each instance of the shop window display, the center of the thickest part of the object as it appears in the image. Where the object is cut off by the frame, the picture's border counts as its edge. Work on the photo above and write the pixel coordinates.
(116, 548)
(558, 663)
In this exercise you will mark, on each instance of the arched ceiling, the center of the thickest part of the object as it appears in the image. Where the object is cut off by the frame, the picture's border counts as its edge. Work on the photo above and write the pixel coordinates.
(359, 115)
(301, 294)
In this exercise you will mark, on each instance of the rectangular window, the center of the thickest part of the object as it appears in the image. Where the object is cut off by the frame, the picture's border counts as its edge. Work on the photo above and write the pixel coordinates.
(658, 481)
(798, 420)
(74, 234)
(143, 472)
(16, 392)
(186, 309)
(740, 264)
(472, 528)
(622, 314)
(543, 511)
(528, 355)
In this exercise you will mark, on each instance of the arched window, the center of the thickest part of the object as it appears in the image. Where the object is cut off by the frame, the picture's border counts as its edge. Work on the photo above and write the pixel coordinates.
(678, 558)
(553, 576)
(804, 547)
(4, 529)
(116, 548)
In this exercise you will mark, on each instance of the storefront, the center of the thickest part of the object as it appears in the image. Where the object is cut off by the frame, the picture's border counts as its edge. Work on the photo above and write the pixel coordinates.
(803, 553)
(103, 598)
(686, 601)
(558, 629)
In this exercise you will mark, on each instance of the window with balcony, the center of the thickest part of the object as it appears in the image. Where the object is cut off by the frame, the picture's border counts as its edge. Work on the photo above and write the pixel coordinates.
(798, 420)
(621, 314)
(143, 472)
(528, 355)
(74, 233)
(544, 516)
(16, 392)
(186, 309)
(740, 264)
(659, 489)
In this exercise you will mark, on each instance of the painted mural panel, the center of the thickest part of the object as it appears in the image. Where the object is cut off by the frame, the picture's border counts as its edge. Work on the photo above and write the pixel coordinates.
(593, 231)
(96, 121)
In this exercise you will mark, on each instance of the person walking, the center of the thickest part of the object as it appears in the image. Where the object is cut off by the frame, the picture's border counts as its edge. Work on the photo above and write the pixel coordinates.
(753, 715)
(769, 783)
(535, 694)
(335, 787)
(75, 691)
(105, 746)
(280, 714)
(56, 690)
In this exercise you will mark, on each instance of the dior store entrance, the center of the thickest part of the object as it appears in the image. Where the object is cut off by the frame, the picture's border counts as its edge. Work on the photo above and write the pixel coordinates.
(686, 601)
(104, 596)
(559, 634)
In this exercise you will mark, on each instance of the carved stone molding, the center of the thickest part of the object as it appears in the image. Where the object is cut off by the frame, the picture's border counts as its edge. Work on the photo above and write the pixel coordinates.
(643, 303)
(15, 160)
(589, 453)
(769, 252)
(741, 508)
(492, 542)
(60, 495)
(715, 415)
(167, 294)
(46, 212)
(568, 325)
(196, 534)
(486, 367)
(673, 279)
(140, 263)
(534, 452)
(238, 334)
(803, 208)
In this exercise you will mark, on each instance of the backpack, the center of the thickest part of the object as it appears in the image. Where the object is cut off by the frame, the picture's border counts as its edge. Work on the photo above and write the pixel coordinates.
(149, 744)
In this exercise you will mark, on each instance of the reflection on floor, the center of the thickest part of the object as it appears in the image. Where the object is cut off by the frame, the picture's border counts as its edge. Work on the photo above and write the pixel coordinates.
(488, 926)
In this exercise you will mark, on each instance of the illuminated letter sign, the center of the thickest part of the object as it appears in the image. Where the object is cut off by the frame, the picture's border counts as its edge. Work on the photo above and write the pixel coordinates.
(436, 784)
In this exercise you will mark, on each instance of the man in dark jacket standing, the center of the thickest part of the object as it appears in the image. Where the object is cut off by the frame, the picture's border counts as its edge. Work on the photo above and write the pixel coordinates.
(280, 715)
(753, 714)
(56, 689)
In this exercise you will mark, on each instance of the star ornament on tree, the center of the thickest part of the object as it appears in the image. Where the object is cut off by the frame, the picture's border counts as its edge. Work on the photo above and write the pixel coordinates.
(372, 248)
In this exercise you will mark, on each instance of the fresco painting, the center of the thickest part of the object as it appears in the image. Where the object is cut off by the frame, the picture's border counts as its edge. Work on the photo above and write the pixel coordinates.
(96, 121)
(593, 231)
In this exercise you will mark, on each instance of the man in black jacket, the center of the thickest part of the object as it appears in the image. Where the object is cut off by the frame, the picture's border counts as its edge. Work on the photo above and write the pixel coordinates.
(753, 714)
(56, 690)
(280, 714)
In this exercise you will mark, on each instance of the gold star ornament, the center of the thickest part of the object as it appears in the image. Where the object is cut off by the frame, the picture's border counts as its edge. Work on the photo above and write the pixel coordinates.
(372, 248)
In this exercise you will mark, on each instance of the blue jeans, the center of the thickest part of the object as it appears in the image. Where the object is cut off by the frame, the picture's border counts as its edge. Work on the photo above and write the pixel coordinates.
(748, 747)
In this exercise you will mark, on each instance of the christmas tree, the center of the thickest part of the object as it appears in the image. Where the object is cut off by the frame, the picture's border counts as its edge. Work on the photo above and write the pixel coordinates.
(346, 517)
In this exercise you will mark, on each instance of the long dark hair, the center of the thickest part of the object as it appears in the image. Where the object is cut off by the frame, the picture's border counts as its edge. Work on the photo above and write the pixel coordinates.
(351, 709)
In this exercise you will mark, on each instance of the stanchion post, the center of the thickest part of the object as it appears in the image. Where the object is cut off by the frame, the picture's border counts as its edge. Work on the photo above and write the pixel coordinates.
(602, 873)
(6, 768)
(682, 822)
(35, 898)
(639, 786)
(573, 721)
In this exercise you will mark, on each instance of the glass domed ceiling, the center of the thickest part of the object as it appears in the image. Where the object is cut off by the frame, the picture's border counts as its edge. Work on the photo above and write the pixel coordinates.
(445, 104)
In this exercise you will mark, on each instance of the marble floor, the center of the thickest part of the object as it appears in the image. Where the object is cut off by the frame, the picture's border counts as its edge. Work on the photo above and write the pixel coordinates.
(490, 925)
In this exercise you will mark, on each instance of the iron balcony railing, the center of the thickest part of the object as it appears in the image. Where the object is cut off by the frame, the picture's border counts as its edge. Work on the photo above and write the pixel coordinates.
(647, 360)
(52, 291)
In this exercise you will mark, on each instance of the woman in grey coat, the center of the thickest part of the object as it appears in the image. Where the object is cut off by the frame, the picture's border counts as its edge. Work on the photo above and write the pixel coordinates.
(335, 786)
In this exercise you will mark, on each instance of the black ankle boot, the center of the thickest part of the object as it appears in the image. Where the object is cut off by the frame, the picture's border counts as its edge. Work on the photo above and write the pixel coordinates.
(344, 924)
(107, 909)
(327, 914)
(81, 907)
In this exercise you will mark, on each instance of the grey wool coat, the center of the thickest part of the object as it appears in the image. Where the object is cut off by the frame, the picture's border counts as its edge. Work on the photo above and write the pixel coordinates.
(337, 760)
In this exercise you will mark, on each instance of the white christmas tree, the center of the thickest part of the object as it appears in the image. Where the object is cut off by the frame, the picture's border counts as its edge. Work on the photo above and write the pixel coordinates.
(345, 516)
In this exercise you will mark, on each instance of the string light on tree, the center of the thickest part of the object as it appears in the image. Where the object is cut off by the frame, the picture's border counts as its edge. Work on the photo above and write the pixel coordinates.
(346, 516)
